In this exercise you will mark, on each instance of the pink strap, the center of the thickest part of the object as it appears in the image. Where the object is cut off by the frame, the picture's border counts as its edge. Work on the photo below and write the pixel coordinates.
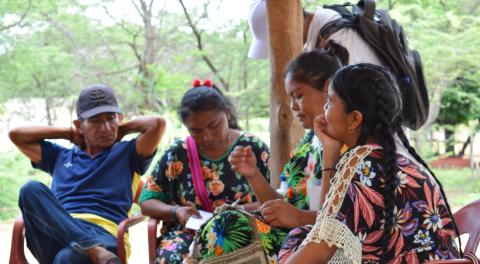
(197, 175)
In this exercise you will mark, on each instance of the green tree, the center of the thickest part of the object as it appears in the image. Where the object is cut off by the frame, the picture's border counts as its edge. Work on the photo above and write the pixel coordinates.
(460, 104)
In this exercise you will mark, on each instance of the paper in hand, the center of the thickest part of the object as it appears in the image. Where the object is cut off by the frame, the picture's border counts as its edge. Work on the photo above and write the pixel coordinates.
(195, 223)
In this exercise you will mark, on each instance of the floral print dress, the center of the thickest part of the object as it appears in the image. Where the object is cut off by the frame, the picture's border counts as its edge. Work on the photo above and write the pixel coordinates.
(171, 183)
(231, 230)
(422, 229)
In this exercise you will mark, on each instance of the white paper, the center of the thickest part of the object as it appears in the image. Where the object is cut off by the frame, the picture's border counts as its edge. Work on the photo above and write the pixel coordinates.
(194, 223)
(313, 192)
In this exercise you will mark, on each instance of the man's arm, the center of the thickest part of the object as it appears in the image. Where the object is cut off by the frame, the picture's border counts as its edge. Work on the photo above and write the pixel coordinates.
(151, 130)
(27, 138)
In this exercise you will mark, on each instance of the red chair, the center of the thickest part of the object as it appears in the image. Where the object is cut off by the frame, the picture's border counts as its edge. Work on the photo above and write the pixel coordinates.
(17, 253)
(467, 223)
(152, 239)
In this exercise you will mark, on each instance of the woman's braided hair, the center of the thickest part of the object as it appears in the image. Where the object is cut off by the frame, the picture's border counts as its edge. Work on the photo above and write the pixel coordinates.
(372, 90)
(417, 157)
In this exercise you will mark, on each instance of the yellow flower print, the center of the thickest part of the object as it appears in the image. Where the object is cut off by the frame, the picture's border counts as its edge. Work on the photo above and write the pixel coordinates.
(262, 227)
(174, 169)
(209, 174)
(218, 203)
(216, 187)
(211, 240)
(152, 185)
(272, 259)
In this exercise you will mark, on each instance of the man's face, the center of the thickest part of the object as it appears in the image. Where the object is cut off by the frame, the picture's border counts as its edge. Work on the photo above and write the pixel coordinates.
(100, 131)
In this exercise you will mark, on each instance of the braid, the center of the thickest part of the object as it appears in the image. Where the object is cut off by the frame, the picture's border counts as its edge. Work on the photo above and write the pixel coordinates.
(414, 153)
(383, 131)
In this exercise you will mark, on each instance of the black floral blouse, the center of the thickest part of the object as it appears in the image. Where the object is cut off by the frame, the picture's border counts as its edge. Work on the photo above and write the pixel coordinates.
(423, 228)
(171, 179)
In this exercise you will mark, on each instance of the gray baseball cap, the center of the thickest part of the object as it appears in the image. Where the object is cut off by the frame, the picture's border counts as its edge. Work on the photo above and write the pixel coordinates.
(96, 99)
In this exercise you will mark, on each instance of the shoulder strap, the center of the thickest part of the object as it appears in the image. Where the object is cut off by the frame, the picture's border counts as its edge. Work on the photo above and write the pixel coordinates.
(197, 175)
(332, 27)
(346, 21)
(366, 8)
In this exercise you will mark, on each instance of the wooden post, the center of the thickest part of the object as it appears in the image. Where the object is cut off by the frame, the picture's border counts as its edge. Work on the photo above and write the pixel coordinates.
(285, 24)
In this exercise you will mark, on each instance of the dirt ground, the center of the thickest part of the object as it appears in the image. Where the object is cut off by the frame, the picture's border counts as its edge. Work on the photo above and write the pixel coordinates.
(138, 239)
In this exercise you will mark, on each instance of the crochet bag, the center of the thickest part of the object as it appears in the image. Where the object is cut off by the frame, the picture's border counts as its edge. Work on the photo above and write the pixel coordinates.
(251, 254)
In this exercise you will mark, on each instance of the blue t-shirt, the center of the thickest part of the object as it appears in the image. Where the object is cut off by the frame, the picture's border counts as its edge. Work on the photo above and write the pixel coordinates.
(100, 185)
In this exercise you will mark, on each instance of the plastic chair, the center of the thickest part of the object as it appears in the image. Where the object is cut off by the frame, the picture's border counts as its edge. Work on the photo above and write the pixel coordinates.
(152, 239)
(17, 253)
(467, 223)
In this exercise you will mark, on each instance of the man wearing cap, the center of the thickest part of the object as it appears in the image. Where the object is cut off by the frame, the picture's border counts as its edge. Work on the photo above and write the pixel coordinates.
(91, 188)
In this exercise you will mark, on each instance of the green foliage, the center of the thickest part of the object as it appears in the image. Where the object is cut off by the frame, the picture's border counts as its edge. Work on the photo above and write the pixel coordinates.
(460, 103)
(60, 46)
(457, 184)
(15, 170)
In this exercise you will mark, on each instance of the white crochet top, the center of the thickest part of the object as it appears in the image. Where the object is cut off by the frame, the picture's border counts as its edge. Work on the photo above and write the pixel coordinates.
(327, 228)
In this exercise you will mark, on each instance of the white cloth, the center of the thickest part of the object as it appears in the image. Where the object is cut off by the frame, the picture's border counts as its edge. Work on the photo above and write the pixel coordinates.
(359, 50)
(257, 20)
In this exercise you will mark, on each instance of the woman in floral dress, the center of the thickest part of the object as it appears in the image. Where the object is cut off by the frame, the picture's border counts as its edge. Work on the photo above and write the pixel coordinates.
(169, 194)
(306, 82)
(384, 205)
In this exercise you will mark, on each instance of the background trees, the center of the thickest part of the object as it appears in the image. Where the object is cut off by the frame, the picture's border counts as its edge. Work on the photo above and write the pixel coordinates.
(150, 50)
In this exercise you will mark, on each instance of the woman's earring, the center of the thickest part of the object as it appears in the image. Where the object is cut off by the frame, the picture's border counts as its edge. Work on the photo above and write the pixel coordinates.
(227, 141)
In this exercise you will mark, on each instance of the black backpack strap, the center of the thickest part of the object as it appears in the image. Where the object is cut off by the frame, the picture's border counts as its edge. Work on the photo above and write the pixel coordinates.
(332, 27)
(367, 8)
(346, 21)
(341, 9)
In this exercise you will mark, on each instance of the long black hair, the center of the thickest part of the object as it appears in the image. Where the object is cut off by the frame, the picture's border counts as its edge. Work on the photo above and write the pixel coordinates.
(317, 66)
(204, 98)
(417, 157)
(373, 91)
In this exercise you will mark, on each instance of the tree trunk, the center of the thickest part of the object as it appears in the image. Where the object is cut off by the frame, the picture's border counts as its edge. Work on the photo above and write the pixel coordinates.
(450, 141)
(285, 23)
(464, 147)
(149, 54)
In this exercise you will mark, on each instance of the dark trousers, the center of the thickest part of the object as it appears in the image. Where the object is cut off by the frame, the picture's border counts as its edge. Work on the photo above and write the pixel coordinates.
(53, 236)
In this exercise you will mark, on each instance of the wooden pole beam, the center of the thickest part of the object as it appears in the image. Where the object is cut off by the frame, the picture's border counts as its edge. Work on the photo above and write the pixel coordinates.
(285, 25)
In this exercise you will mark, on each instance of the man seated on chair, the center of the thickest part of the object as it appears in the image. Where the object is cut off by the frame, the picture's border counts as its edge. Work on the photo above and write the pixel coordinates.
(76, 220)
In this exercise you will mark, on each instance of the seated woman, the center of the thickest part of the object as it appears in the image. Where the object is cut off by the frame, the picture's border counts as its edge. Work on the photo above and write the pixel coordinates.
(306, 82)
(383, 205)
(170, 195)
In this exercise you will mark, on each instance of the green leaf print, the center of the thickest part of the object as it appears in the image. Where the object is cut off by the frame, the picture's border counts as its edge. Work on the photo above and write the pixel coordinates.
(232, 230)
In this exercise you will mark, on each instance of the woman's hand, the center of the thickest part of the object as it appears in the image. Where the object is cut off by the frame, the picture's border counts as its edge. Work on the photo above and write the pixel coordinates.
(243, 161)
(184, 212)
(278, 213)
(329, 144)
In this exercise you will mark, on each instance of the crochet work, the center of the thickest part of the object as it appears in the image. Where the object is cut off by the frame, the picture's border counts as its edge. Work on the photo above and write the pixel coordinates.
(327, 228)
